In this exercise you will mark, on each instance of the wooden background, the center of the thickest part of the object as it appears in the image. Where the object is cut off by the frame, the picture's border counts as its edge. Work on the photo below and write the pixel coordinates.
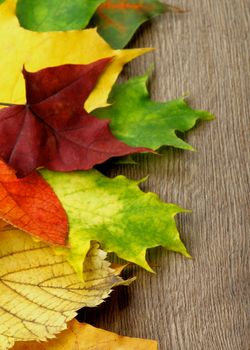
(199, 304)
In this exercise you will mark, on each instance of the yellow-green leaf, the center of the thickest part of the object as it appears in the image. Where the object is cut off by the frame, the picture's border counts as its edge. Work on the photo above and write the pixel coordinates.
(116, 213)
(19, 47)
(40, 291)
(82, 336)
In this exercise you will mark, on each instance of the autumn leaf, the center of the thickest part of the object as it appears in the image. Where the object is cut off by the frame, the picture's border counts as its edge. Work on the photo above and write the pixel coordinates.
(52, 129)
(39, 290)
(31, 205)
(138, 121)
(82, 336)
(116, 213)
(20, 47)
(56, 15)
(118, 20)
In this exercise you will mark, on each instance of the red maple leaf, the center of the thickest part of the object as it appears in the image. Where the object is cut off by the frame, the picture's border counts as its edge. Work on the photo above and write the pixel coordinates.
(31, 205)
(52, 129)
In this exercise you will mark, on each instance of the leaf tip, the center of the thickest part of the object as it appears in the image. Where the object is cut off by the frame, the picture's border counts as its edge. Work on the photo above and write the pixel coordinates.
(186, 254)
(149, 269)
(207, 116)
(174, 9)
(191, 148)
(142, 180)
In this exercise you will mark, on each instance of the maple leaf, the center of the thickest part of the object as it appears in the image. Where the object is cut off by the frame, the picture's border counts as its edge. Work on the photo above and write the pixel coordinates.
(82, 336)
(53, 129)
(116, 213)
(147, 123)
(39, 290)
(118, 20)
(31, 205)
(19, 47)
(56, 15)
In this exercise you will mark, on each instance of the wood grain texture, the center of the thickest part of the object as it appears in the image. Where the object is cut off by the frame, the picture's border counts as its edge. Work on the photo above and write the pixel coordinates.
(199, 304)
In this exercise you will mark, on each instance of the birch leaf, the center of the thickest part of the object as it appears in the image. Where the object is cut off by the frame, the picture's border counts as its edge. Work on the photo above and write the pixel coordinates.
(139, 121)
(39, 290)
(116, 213)
(82, 336)
(19, 47)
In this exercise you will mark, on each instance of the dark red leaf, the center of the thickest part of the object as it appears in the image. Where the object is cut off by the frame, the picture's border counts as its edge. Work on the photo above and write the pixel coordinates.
(52, 129)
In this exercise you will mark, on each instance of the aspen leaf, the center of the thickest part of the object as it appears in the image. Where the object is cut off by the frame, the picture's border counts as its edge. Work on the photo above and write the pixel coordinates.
(31, 205)
(55, 15)
(116, 213)
(118, 20)
(138, 121)
(20, 47)
(39, 290)
(52, 129)
(82, 336)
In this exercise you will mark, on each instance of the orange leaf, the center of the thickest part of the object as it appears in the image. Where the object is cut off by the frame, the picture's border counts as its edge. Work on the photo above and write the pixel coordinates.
(82, 336)
(31, 205)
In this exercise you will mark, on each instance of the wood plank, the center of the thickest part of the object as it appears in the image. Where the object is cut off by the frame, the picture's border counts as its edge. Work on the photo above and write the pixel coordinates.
(198, 304)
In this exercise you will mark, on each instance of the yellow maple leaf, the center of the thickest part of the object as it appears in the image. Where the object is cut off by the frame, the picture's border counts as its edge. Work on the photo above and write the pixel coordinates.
(19, 47)
(83, 336)
(39, 290)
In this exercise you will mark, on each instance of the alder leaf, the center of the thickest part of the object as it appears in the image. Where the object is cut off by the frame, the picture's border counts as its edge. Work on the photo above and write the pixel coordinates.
(82, 336)
(56, 15)
(118, 20)
(116, 213)
(20, 47)
(31, 205)
(52, 129)
(39, 290)
(139, 121)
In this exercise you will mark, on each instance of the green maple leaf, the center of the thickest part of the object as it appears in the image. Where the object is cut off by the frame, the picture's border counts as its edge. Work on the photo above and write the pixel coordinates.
(138, 121)
(55, 15)
(118, 20)
(116, 213)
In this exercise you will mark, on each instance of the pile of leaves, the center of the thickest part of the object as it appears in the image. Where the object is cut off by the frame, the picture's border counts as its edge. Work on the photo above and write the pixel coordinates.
(61, 115)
